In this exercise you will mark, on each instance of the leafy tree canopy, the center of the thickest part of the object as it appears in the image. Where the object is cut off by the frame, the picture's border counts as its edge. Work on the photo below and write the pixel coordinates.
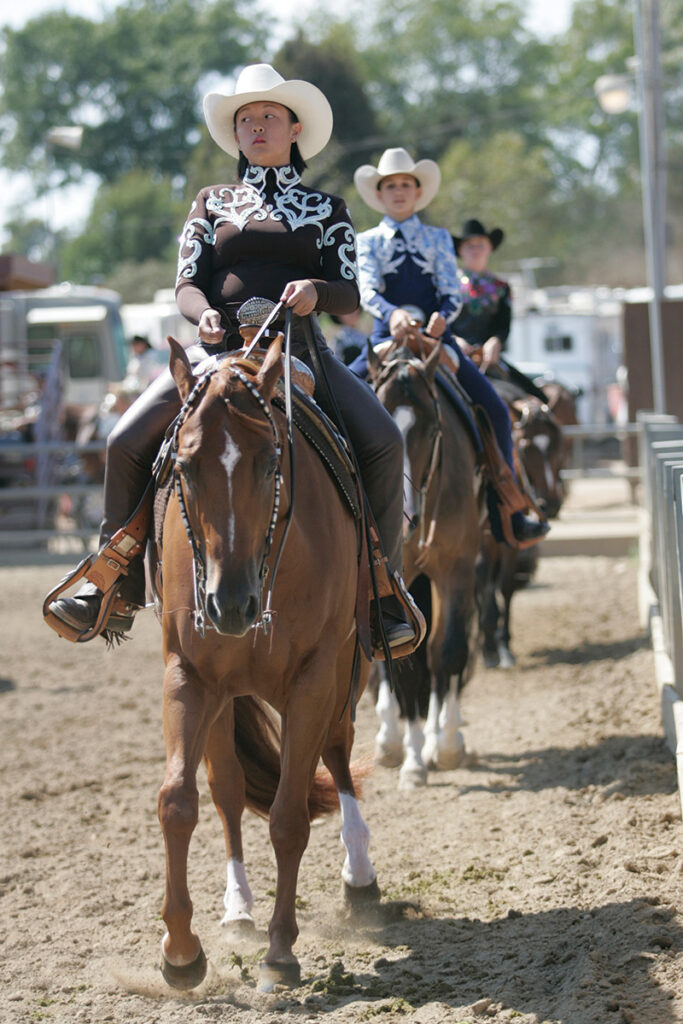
(131, 79)
(134, 220)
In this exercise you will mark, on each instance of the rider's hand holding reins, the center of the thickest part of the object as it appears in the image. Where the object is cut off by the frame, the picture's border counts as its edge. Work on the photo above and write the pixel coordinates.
(436, 326)
(490, 353)
(210, 328)
(401, 324)
(300, 296)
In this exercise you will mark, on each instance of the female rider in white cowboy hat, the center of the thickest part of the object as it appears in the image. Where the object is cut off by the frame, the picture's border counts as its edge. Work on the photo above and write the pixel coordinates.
(403, 262)
(264, 235)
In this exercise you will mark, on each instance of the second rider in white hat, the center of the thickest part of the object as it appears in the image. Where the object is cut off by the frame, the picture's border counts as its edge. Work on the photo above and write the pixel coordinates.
(403, 262)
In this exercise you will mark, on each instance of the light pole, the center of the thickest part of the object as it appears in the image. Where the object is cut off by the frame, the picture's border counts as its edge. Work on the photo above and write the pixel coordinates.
(614, 94)
(67, 137)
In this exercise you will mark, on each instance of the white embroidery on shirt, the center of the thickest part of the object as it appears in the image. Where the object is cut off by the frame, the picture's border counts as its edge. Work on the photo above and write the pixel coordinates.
(238, 204)
(346, 249)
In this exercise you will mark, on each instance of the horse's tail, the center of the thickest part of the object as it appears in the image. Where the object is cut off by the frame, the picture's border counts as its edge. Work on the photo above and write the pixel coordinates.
(257, 742)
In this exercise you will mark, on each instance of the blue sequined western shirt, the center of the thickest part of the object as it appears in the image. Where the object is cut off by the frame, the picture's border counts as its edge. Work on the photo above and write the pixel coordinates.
(407, 263)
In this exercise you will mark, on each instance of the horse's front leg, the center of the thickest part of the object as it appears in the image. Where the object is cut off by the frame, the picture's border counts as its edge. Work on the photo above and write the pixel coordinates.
(388, 742)
(227, 785)
(305, 722)
(186, 718)
(507, 589)
(449, 653)
(359, 877)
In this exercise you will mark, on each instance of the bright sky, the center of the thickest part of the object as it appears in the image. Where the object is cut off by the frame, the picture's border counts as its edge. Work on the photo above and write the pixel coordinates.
(545, 17)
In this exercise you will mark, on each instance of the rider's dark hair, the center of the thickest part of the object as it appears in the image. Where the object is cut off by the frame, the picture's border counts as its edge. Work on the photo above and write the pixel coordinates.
(295, 157)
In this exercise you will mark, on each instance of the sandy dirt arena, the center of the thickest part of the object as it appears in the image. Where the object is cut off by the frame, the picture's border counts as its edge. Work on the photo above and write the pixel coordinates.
(542, 883)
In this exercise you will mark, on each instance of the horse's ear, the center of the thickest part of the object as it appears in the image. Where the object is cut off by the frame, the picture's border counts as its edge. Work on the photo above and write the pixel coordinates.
(271, 369)
(375, 364)
(432, 361)
(181, 371)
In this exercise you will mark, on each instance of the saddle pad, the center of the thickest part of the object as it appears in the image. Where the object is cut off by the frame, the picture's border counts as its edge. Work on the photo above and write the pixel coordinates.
(323, 436)
(450, 387)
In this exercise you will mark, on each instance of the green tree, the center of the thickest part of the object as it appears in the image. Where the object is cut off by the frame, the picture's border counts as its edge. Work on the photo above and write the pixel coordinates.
(442, 70)
(332, 65)
(132, 79)
(134, 220)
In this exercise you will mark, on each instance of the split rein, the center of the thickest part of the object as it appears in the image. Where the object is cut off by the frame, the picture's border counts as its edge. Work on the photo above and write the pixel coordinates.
(434, 463)
(266, 614)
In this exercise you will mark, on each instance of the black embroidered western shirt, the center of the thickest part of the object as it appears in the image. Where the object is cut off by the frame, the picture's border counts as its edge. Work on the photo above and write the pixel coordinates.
(253, 237)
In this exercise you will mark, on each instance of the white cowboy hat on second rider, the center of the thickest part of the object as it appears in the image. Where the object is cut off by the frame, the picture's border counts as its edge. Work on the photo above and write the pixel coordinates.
(262, 83)
(397, 161)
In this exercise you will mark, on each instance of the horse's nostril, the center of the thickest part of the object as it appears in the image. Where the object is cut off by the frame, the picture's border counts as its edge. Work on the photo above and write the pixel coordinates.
(251, 610)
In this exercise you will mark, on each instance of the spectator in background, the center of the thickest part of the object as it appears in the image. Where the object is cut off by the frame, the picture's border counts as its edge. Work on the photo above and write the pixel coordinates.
(143, 365)
(350, 340)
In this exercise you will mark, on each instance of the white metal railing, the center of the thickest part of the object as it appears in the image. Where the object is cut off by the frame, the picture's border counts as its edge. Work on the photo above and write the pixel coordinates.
(660, 445)
(583, 434)
(30, 512)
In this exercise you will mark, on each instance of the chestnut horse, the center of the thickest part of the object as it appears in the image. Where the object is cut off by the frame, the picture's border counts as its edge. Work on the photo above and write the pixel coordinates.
(441, 543)
(232, 495)
(540, 454)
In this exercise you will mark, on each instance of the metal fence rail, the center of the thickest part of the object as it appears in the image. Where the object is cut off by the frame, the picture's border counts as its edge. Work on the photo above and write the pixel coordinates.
(584, 438)
(25, 509)
(31, 513)
(660, 445)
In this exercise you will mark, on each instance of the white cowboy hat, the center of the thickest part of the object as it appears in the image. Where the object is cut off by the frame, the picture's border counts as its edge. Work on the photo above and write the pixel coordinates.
(261, 82)
(397, 161)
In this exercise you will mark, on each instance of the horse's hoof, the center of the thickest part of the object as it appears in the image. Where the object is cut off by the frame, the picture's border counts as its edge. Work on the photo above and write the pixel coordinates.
(491, 659)
(451, 759)
(270, 975)
(389, 757)
(356, 896)
(413, 778)
(239, 925)
(185, 977)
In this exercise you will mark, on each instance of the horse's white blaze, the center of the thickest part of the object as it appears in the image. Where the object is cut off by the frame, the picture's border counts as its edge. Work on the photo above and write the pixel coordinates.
(549, 476)
(355, 836)
(542, 442)
(229, 459)
(404, 418)
(238, 899)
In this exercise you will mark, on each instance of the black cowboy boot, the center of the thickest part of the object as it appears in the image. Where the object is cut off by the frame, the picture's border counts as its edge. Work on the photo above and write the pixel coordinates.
(80, 611)
(526, 530)
(397, 629)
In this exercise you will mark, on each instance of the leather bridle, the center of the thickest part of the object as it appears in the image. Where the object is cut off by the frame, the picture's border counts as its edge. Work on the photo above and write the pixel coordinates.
(434, 463)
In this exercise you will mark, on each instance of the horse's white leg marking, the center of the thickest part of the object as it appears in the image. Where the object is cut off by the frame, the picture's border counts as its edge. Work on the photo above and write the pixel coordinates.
(430, 750)
(388, 746)
(229, 459)
(355, 836)
(451, 742)
(506, 658)
(404, 418)
(238, 899)
(413, 771)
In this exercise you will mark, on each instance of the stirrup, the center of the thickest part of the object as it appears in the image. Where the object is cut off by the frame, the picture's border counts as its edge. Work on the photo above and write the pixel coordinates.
(391, 583)
(106, 570)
